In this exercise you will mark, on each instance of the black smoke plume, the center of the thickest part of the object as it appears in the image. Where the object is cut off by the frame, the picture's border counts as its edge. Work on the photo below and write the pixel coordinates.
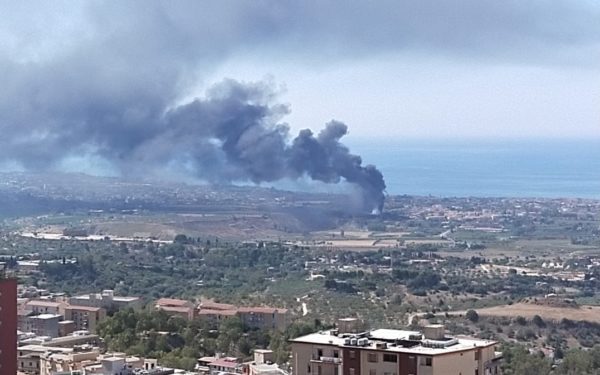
(232, 134)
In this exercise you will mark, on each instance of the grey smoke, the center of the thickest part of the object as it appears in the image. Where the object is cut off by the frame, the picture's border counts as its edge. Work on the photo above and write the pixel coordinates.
(238, 128)
(106, 78)
(232, 134)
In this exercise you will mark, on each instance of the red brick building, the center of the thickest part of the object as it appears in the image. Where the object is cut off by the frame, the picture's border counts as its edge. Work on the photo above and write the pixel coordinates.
(8, 324)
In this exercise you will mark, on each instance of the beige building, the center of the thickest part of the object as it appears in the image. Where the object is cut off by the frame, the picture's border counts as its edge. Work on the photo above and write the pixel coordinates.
(264, 317)
(182, 308)
(28, 357)
(43, 307)
(269, 318)
(52, 362)
(107, 300)
(41, 325)
(393, 352)
(84, 318)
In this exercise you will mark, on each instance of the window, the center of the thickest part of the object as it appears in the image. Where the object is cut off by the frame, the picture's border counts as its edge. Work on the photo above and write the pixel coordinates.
(390, 358)
(352, 354)
(308, 368)
(372, 357)
(319, 353)
(477, 355)
(336, 354)
(351, 371)
(426, 361)
(319, 370)
(372, 372)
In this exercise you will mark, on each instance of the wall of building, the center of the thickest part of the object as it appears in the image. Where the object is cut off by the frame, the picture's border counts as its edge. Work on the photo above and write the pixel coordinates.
(372, 363)
(455, 363)
(408, 364)
(8, 326)
(351, 361)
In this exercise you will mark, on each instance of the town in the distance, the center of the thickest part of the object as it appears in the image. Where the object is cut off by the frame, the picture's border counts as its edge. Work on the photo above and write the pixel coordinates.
(106, 276)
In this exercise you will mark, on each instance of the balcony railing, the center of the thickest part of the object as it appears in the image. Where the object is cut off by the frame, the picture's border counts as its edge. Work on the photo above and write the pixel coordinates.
(334, 360)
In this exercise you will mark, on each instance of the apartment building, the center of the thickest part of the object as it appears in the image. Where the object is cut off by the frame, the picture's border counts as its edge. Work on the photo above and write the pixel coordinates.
(264, 317)
(43, 307)
(41, 325)
(270, 318)
(393, 352)
(107, 300)
(84, 318)
(179, 307)
(8, 324)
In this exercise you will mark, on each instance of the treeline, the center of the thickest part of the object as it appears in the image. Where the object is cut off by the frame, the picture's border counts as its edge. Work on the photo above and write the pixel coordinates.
(519, 361)
(177, 342)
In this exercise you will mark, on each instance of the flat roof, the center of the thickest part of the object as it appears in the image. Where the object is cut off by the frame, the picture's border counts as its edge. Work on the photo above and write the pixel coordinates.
(217, 312)
(68, 339)
(46, 316)
(100, 296)
(182, 309)
(36, 302)
(172, 302)
(83, 308)
(387, 335)
(41, 348)
(262, 310)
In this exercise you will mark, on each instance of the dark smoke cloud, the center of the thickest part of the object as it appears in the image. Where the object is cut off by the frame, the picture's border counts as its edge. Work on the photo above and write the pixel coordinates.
(107, 79)
(236, 125)
(232, 134)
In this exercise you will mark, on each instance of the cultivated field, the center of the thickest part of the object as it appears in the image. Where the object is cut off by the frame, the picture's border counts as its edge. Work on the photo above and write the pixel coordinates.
(526, 310)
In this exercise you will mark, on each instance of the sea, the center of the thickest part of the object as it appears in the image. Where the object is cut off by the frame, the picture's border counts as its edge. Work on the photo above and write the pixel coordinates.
(484, 168)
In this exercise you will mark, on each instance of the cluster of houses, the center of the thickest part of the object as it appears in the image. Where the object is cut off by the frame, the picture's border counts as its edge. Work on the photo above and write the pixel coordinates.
(56, 334)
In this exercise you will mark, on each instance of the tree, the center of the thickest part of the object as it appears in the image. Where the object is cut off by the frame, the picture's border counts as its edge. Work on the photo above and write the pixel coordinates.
(576, 362)
(538, 321)
(181, 239)
(472, 316)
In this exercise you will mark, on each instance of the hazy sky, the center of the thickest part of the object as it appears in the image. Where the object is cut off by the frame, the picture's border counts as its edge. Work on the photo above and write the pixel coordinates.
(393, 69)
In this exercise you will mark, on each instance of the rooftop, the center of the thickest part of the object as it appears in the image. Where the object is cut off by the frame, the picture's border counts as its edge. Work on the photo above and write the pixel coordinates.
(100, 296)
(262, 310)
(46, 316)
(43, 303)
(225, 362)
(83, 308)
(217, 312)
(181, 309)
(215, 306)
(395, 341)
(172, 302)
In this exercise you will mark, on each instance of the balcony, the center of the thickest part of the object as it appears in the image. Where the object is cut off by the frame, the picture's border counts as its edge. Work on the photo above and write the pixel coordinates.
(332, 360)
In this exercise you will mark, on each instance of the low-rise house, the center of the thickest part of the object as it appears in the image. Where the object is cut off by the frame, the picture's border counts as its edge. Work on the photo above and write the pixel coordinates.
(263, 364)
(28, 357)
(226, 365)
